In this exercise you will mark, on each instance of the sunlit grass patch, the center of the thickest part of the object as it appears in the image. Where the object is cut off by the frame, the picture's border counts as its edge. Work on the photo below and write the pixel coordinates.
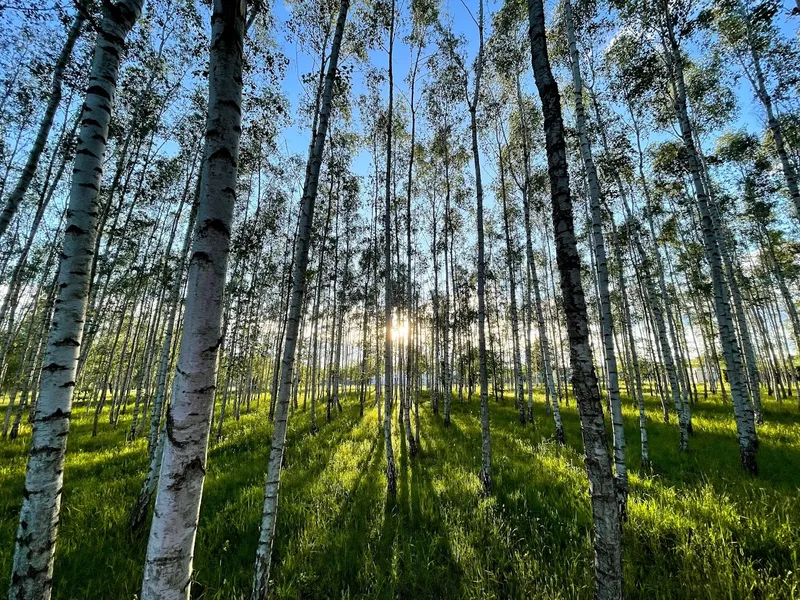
(699, 526)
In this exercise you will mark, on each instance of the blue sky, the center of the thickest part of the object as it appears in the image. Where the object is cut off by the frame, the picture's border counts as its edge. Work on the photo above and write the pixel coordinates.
(750, 114)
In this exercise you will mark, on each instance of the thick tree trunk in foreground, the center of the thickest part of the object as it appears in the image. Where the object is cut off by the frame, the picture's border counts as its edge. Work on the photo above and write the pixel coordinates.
(32, 571)
(170, 550)
(605, 511)
(270, 510)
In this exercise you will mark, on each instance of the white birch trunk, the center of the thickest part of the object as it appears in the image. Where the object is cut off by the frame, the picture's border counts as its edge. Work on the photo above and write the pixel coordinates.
(155, 441)
(605, 510)
(632, 343)
(391, 471)
(519, 391)
(547, 363)
(270, 510)
(620, 469)
(34, 551)
(759, 85)
(486, 445)
(742, 408)
(29, 170)
(170, 549)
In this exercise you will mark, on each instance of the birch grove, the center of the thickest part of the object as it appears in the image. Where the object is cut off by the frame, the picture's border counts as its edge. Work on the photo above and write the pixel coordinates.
(400, 299)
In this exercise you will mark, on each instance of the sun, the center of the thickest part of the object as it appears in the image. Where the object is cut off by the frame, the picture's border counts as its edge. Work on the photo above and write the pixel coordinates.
(399, 331)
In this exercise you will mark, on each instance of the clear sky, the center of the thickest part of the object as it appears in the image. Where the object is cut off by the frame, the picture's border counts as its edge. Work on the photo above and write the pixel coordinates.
(457, 12)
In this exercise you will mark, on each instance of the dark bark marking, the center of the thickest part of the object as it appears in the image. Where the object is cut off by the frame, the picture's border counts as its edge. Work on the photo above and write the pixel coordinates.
(113, 41)
(231, 104)
(215, 346)
(222, 154)
(98, 90)
(196, 464)
(87, 152)
(216, 225)
(202, 257)
(170, 425)
(58, 414)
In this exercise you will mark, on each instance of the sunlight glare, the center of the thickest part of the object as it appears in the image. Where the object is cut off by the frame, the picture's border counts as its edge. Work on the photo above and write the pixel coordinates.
(399, 331)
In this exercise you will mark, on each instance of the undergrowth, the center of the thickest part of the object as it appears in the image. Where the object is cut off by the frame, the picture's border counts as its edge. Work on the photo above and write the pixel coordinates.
(699, 526)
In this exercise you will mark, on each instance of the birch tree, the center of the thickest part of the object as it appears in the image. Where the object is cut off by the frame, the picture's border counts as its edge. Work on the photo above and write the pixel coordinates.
(34, 551)
(620, 469)
(605, 510)
(170, 548)
(305, 227)
(31, 165)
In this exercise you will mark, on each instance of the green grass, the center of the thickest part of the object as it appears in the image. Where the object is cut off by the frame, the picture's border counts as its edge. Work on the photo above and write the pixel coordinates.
(699, 527)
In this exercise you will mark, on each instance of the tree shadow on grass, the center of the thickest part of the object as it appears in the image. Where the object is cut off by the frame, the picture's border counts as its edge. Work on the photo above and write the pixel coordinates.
(231, 510)
(698, 515)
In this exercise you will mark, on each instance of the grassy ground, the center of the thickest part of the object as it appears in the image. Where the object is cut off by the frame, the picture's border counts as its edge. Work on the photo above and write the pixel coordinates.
(699, 527)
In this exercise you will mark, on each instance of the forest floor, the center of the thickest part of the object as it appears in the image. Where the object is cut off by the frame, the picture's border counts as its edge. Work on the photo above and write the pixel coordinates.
(699, 527)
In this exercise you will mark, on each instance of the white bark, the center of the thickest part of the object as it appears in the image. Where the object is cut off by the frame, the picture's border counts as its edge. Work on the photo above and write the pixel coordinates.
(270, 510)
(170, 549)
(155, 441)
(29, 170)
(743, 410)
(656, 309)
(519, 391)
(447, 374)
(391, 471)
(634, 357)
(739, 313)
(759, 85)
(486, 445)
(533, 283)
(32, 570)
(608, 578)
(620, 469)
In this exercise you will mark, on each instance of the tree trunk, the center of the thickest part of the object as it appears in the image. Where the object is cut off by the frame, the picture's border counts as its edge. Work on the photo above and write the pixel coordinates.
(486, 446)
(632, 343)
(551, 394)
(32, 571)
(759, 85)
(447, 382)
(270, 510)
(170, 550)
(621, 471)
(391, 471)
(607, 530)
(519, 395)
(29, 170)
(154, 439)
(743, 410)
